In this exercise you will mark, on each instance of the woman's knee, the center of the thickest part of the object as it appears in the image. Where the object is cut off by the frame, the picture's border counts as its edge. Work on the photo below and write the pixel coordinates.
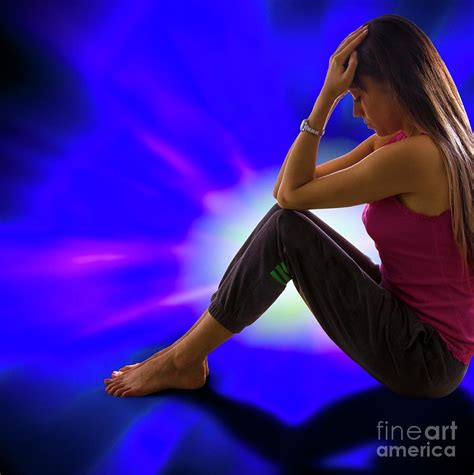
(283, 215)
(291, 216)
(273, 212)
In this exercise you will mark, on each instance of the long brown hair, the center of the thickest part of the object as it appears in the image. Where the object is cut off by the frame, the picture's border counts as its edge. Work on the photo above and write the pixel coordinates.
(398, 54)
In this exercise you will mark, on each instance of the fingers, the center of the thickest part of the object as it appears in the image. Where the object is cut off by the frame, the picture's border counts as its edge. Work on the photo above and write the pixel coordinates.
(359, 30)
(359, 33)
(356, 37)
(349, 37)
(349, 47)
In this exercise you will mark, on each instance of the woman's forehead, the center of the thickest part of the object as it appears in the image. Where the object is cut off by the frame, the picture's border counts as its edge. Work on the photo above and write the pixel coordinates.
(363, 85)
(358, 87)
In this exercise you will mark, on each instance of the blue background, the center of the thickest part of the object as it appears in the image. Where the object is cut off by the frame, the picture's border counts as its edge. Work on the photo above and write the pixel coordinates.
(140, 144)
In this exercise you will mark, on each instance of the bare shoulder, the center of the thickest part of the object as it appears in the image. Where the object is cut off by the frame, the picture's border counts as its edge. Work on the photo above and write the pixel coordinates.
(423, 151)
(421, 145)
(425, 146)
(380, 141)
(431, 155)
(418, 155)
(432, 197)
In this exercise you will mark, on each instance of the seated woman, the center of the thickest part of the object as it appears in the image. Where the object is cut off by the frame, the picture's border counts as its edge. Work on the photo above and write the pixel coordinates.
(410, 322)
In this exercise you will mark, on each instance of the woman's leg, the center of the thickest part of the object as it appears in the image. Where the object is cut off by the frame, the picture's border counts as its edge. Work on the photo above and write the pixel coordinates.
(123, 369)
(362, 260)
(371, 325)
(257, 228)
(365, 320)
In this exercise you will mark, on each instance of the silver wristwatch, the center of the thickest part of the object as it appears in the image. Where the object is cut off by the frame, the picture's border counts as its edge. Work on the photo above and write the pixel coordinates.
(305, 127)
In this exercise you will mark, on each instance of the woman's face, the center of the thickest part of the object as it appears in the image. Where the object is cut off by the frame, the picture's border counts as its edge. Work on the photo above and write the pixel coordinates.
(377, 106)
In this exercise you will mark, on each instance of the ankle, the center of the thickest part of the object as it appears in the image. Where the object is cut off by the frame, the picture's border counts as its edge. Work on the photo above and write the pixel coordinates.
(183, 358)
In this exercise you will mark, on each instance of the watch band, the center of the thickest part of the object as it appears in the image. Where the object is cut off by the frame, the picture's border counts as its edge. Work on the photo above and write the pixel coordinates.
(305, 127)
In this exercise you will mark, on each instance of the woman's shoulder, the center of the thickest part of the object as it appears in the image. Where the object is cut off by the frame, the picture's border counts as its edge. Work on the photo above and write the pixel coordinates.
(380, 141)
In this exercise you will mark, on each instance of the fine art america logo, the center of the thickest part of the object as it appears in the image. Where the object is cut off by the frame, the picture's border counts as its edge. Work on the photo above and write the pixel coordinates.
(430, 441)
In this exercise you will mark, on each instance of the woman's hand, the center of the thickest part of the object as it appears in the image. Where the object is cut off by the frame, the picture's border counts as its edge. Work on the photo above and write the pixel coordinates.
(338, 79)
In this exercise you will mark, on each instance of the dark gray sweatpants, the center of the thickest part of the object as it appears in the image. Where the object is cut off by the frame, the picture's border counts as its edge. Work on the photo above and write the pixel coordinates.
(342, 288)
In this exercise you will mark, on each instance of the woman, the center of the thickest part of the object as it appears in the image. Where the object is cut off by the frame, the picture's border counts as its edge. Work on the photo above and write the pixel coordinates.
(410, 322)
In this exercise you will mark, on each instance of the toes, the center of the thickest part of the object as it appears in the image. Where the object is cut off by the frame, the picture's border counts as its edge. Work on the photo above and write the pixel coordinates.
(112, 386)
(120, 392)
(121, 371)
(118, 377)
(108, 388)
(117, 390)
(127, 367)
(115, 383)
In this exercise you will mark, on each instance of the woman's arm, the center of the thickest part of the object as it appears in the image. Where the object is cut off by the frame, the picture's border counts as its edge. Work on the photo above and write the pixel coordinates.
(340, 163)
(282, 169)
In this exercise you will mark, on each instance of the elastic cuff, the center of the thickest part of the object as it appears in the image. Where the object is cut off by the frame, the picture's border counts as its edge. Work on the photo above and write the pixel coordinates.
(218, 313)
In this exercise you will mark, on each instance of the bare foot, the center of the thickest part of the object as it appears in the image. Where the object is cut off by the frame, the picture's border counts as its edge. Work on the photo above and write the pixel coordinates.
(123, 369)
(156, 375)
(126, 368)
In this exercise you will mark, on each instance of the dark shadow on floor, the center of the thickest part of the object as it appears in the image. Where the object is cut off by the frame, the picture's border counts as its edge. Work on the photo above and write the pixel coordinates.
(344, 425)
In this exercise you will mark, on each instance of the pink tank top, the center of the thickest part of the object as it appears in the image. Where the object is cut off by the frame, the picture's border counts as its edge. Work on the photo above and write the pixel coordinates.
(420, 264)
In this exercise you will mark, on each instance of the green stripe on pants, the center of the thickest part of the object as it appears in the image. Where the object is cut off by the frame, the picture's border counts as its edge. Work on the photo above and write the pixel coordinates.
(280, 274)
